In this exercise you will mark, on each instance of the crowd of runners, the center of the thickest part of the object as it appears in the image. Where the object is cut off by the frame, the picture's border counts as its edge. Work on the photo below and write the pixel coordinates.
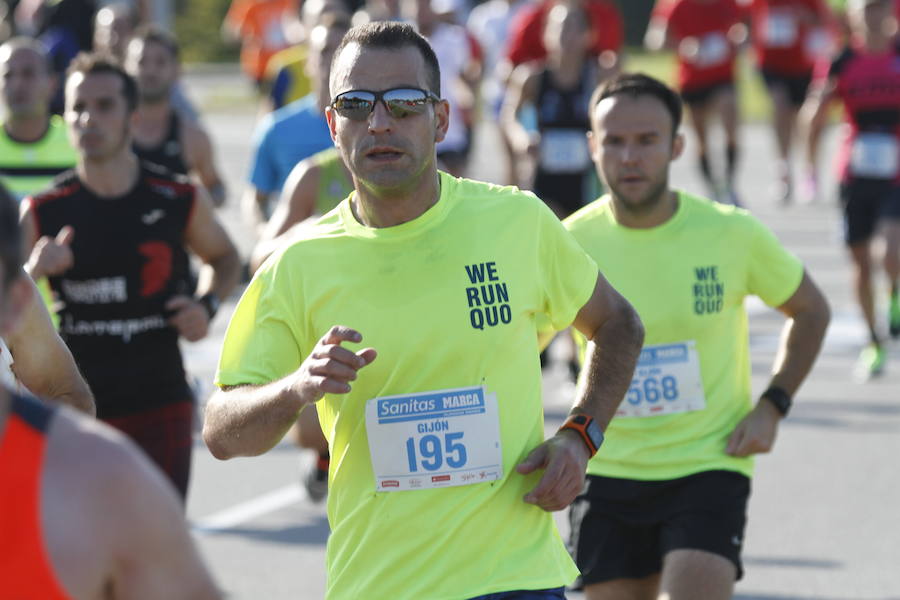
(412, 306)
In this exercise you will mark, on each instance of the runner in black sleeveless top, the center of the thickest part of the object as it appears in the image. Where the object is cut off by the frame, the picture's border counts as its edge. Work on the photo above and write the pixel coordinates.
(186, 148)
(130, 260)
(169, 153)
(112, 236)
(560, 91)
(564, 170)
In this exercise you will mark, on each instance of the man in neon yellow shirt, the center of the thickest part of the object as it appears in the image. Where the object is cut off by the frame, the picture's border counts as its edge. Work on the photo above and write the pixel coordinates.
(441, 482)
(33, 143)
(663, 513)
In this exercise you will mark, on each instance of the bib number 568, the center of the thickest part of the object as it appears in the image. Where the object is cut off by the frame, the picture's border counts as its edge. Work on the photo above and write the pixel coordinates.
(651, 389)
(432, 454)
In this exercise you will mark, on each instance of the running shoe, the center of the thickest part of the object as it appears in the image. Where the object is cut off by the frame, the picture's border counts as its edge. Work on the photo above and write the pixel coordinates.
(316, 482)
(870, 362)
(894, 315)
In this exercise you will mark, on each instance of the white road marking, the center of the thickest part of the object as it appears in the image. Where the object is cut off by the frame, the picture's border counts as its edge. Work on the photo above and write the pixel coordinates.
(251, 509)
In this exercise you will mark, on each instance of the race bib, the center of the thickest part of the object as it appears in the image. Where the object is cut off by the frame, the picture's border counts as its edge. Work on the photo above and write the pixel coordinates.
(434, 439)
(781, 30)
(564, 151)
(714, 50)
(666, 381)
(874, 155)
(818, 44)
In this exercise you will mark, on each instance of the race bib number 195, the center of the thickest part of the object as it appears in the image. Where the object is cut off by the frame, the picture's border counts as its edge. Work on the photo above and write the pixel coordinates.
(666, 381)
(434, 439)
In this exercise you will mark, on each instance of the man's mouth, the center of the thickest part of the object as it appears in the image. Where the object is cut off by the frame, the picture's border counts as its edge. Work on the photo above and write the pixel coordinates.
(383, 153)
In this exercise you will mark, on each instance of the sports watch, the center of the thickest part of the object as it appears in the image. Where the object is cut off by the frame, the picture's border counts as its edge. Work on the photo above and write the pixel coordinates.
(210, 302)
(587, 428)
(779, 398)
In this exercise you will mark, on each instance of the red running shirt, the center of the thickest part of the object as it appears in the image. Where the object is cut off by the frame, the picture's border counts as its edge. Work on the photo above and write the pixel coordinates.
(526, 32)
(869, 86)
(708, 23)
(25, 570)
(783, 41)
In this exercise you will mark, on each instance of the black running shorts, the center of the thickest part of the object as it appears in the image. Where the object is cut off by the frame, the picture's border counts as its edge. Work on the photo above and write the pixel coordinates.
(622, 528)
(866, 202)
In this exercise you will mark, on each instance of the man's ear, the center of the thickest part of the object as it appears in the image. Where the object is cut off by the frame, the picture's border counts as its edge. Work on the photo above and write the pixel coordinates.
(677, 145)
(331, 119)
(441, 120)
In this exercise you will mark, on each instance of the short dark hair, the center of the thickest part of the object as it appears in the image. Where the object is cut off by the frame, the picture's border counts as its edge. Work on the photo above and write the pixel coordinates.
(393, 36)
(93, 63)
(10, 237)
(638, 84)
(22, 42)
(149, 32)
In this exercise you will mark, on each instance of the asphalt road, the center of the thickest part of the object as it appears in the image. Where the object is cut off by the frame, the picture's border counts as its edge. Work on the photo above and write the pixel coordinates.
(824, 517)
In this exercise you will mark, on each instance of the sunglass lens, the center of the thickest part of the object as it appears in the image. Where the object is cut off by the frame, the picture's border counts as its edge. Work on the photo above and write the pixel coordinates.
(354, 105)
(404, 102)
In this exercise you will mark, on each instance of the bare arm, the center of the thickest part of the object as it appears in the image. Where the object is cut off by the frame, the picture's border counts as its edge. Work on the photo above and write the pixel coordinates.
(202, 162)
(658, 36)
(297, 203)
(250, 420)
(813, 118)
(206, 237)
(154, 554)
(801, 339)
(522, 89)
(616, 336)
(98, 486)
(253, 205)
(42, 362)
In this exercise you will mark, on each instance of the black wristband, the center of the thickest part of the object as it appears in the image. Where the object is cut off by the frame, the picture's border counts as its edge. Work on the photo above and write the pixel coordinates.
(779, 398)
(210, 302)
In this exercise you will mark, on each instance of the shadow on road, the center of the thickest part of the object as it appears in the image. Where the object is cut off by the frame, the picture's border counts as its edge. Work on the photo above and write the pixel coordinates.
(312, 533)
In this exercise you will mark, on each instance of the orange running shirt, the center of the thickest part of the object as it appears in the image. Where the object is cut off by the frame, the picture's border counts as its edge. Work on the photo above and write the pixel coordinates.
(25, 570)
(261, 27)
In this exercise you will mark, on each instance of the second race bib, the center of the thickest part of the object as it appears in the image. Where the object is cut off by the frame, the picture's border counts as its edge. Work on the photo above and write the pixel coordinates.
(714, 50)
(564, 151)
(874, 155)
(666, 381)
(434, 439)
(781, 30)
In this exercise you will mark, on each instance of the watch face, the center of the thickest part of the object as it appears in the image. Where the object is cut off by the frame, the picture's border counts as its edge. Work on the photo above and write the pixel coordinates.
(595, 434)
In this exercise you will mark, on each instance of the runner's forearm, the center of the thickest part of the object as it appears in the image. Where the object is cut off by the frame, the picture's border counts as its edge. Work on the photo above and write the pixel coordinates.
(250, 420)
(610, 361)
(801, 340)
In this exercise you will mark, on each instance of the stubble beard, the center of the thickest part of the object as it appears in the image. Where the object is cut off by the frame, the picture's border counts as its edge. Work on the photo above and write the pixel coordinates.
(646, 203)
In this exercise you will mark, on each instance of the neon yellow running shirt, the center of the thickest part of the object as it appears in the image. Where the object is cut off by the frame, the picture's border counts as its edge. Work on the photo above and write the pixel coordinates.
(449, 300)
(334, 181)
(28, 168)
(687, 279)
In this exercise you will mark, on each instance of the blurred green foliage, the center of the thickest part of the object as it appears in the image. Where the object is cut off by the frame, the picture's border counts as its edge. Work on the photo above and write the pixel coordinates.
(198, 24)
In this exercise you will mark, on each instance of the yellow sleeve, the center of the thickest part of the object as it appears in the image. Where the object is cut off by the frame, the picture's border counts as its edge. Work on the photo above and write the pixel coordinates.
(567, 274)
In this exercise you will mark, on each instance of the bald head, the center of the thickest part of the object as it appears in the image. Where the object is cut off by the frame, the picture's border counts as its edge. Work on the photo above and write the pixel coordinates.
(26, 77)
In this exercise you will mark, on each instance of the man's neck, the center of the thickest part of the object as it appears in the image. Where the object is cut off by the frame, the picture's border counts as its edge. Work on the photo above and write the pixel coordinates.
(655, 215)
(154, 111)
(566, 70)
(382, 208)
(111, 177)
(27, 129)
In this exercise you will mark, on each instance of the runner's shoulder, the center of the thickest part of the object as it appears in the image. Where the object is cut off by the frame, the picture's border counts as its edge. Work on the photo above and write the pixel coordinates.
(64, 185)
(726, 219)
(484, 197)
(166, 183)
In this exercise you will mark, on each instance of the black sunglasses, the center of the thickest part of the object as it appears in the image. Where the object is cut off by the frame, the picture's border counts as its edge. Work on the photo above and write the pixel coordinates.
(357, 105)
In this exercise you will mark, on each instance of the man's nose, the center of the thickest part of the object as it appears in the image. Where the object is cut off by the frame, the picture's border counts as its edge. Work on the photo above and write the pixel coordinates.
(380, 118)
